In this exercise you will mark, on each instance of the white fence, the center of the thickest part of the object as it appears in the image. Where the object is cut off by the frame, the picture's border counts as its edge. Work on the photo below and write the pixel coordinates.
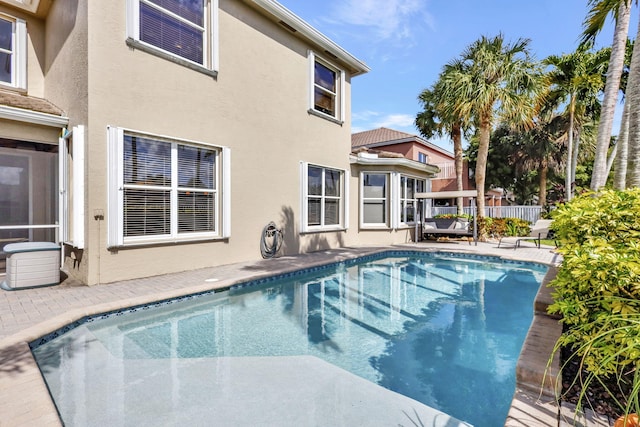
(528, 213)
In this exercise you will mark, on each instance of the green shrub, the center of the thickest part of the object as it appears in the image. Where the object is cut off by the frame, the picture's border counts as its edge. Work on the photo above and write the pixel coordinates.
(517, 227)
(465, 216)
(597, 288)
(498, 227)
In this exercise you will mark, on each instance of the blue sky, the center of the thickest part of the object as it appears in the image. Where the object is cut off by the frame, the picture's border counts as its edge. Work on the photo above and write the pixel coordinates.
(407, 42)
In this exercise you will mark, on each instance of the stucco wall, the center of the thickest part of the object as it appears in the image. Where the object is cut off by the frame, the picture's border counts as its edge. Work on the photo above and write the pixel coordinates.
(257, 106)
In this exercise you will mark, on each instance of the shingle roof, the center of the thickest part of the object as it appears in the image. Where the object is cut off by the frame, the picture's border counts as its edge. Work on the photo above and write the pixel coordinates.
(31, 103)
(378, 135)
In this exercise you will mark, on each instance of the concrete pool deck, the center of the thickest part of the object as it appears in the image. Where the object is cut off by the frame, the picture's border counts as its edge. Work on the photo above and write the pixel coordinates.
(26, 315)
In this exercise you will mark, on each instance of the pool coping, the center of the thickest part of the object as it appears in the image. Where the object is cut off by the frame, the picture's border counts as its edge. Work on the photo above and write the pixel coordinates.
(15, 356)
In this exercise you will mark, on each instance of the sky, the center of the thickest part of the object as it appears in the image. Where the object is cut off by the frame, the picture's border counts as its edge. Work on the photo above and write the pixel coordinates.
(407, 42)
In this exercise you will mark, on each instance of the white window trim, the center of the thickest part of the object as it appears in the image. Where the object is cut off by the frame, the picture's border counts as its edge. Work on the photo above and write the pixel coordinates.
(115, 193)
(210, 51)
(18, 54)
(387, 198)
(400, 223)
(77, 213)
(304, 190)
(339, 117)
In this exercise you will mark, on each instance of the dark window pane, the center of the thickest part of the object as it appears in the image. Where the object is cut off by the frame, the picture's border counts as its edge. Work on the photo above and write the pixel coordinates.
(325, 77)
(408, 212)
(191, 10)
(146, 212)
(375, 185)
(196, 167)
(6, 34)
(331, 212)
(313, 214)
(146, 162)
(195, 211)
(167, 33)
(5, 67)
(410, 188)
(331, 183)
(314, 181)
(324, 102)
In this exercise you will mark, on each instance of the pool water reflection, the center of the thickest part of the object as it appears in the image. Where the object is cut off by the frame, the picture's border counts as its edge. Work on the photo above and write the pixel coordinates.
(442, 330)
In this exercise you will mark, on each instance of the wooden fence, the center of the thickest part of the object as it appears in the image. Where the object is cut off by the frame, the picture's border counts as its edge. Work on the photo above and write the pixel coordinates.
(528, 213)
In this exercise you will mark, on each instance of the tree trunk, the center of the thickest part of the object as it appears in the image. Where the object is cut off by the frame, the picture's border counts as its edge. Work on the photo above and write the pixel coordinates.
(574, 158)
(456, 135)
(633, 99)
(481, 162)
(612, 87)
(568, 183)
(544, 169)
(622, 150)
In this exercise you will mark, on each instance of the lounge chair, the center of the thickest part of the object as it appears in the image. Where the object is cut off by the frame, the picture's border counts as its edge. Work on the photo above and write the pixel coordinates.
(540, 230)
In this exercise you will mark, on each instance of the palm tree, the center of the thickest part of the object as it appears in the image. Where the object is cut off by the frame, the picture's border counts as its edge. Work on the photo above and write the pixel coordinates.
(492, 78)
(541, 149)
(575, 78)
(439, 118)
(620, 153)
(633, 111)
(594, 22)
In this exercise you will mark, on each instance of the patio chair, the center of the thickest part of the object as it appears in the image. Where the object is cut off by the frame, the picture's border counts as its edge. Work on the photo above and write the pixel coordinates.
(539, 231)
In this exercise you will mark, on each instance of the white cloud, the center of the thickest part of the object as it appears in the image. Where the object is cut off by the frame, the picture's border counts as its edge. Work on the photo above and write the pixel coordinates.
(368, 120)
(387, 19)
(397, 120)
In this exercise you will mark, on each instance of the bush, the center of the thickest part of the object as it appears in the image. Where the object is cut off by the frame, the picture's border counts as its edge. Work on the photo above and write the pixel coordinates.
(498, 227)
(451, 216)
(598, 284)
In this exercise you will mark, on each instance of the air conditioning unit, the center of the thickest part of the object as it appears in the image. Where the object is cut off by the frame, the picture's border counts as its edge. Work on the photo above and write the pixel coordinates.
(31, 264)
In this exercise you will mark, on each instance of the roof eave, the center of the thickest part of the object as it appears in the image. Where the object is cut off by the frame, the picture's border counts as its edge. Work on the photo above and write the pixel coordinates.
(33, 117)
(305, 30)
(427, 168)
(405, 140)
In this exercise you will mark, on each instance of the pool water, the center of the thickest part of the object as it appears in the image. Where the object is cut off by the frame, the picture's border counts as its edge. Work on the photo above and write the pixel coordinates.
(440, 329)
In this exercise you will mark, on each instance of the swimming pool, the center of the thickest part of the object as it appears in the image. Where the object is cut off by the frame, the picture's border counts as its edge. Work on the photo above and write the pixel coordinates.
(438, 328)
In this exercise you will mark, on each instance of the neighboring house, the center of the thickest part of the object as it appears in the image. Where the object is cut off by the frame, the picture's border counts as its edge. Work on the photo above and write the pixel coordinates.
(415, 148)
(154, 137)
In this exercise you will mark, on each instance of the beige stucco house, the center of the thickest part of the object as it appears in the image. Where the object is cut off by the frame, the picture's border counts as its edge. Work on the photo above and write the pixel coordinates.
(151, 137)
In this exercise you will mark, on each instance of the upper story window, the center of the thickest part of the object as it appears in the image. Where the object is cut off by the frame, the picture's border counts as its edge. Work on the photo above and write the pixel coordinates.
(13, 52)
(324, 198)
(176, 29)
(163, 189)
(327, 89)
(423, 158)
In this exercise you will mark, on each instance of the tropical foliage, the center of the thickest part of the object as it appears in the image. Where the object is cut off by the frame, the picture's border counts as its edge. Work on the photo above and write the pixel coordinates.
(597, 287)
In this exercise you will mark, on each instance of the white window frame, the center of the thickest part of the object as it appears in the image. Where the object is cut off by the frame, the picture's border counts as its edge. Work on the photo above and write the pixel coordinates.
(343, 198)
(339, 114)
(210, 56)
(425, 155)
(72, 213)
(402, 201)
(222, 198)
(18, 53)
(386, 200)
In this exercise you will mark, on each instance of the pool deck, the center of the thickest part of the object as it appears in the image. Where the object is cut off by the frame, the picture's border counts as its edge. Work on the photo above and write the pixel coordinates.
(26, 315)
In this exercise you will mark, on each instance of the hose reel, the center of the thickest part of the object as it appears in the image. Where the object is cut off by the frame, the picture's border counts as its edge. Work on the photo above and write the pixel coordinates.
(270, 241)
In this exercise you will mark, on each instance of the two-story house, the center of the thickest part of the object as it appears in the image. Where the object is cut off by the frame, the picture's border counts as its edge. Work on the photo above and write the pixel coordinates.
(150, 137)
